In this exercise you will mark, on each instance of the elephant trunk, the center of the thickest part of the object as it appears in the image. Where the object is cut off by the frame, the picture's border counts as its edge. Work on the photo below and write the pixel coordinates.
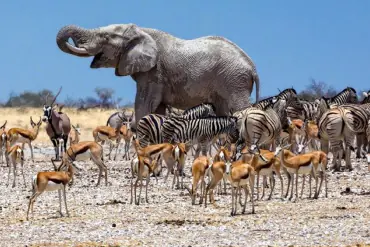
(79, 37)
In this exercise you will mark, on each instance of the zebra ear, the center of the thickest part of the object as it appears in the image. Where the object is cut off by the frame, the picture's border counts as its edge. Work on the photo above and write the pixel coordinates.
(365, 94)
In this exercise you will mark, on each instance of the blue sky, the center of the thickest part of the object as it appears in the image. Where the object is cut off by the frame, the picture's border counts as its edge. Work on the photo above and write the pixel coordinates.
(289, 41)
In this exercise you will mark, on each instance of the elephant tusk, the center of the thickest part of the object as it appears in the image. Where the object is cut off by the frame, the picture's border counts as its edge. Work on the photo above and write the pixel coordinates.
(77, 50)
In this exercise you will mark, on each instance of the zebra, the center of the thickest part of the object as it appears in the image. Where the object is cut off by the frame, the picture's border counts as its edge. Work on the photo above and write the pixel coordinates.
(346, 96)
(289, 95)
(338, 126)
(362, 113)
(304, 110)
(149, 127)
(262, 126)
(366, 97)
(202, 130)
(198, 111)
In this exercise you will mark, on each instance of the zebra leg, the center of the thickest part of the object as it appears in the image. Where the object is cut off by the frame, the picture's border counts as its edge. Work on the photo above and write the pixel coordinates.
(358, 145)
(197, 151)
(348, 136)
(204, 146)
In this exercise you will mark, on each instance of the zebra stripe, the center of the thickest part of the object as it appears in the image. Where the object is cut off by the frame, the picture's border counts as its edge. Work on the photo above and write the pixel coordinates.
(358, 116)
(200, 111)
(339, 124)
(303, 110)
(262, 126)
(347, 95)
(202, 130)
(289, 95)
(149, 129)
(150, 126)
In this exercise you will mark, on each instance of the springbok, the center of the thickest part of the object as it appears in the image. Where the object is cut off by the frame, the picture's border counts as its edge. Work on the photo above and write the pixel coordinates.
(88, 149)
(127, 135)
(19, 135)
(51, 181)
(3, 134)
(14, 155)
(58, 124)
(74, 136)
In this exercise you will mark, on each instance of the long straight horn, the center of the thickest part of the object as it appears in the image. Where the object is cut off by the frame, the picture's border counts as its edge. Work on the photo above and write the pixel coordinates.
(3, 126)
(60, 89)
(46, 98)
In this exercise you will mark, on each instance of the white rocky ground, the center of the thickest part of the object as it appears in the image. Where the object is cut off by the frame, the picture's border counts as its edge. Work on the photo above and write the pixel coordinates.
(102, 216)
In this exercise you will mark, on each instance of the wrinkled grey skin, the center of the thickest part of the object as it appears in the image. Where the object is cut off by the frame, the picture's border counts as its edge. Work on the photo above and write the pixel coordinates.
(168, 70)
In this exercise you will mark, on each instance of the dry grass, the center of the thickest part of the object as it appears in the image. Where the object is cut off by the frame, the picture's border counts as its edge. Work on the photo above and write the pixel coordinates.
(88, 120)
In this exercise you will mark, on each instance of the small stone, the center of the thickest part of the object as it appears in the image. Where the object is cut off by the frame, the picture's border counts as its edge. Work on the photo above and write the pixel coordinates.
(114, 225)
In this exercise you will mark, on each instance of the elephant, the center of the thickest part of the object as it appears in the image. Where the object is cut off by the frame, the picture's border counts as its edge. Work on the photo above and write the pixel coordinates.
(168, 70)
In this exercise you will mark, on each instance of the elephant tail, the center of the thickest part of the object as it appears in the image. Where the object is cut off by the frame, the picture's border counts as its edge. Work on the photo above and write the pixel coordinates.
(256, 80)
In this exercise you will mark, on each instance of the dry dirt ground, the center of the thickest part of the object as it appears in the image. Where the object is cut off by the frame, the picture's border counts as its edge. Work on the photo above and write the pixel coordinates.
(102, 216)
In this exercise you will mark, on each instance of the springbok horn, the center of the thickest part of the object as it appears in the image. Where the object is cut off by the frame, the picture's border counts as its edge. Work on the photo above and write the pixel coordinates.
(3, 127)
(32, 122)
(55, 167)
(60, 89)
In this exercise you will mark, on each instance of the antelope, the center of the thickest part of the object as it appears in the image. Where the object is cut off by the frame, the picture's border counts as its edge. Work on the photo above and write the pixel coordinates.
(142, 154)
(302, 134)
(178, 153)
(301, 164)
(58, 124)
(107, 133)
(15, 155)
(51, 181)
(88, 149)
(145, 167)
(223, 154)
(215, 172)
(240, 175)
(321, 168)
(272, 165)
(127, 135)
(3, 134)
(172, 153)
(74, 136)
(25, 136)
(198, 170)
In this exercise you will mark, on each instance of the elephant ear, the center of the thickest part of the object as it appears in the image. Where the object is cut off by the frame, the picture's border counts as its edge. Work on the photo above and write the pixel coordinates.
(139, 55)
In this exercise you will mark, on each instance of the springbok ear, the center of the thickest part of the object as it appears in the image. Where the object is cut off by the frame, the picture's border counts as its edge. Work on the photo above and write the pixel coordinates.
(139, 55)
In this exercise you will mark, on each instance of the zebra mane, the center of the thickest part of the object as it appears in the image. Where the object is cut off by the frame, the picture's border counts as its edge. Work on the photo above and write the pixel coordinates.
(345, 90)
(218, 118)
(287, 90)
(200, 106)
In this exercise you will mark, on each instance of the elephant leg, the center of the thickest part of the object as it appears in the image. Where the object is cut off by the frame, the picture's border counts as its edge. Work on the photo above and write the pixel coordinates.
(148, 98)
